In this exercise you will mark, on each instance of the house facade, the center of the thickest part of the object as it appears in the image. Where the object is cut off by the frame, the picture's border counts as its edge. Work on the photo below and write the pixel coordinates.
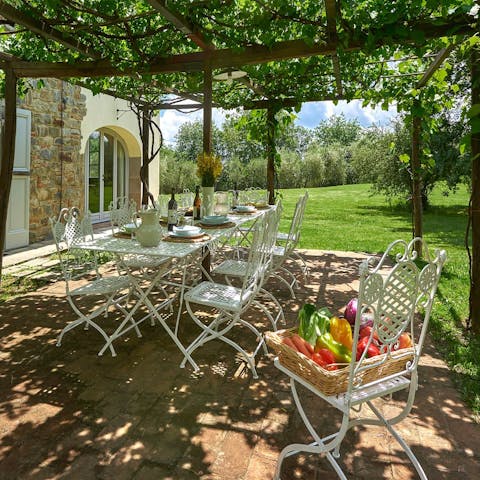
(72, 148)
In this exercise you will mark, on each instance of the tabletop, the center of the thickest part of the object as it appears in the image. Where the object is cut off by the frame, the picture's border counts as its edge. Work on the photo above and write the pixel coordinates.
(128, 246)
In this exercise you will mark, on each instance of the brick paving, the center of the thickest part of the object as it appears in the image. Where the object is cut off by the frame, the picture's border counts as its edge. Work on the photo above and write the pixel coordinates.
(66, 413)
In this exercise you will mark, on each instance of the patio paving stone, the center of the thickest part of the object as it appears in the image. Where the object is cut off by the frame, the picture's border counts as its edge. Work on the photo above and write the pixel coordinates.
(66, 413)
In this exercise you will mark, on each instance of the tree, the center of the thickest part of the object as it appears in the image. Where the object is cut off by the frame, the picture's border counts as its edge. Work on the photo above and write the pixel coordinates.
(189, 140)
(175, 174)
(235, 140)
(443, 161)
(337, 130)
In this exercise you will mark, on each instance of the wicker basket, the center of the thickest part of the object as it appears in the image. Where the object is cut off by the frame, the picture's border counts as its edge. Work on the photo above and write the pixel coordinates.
(331, 382)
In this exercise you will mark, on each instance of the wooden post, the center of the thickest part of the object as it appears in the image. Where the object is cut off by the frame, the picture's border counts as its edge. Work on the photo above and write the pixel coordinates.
(8, 154)
(416, 179)
(207, 108)
(271, 155)
(474, 302)
(207, 138)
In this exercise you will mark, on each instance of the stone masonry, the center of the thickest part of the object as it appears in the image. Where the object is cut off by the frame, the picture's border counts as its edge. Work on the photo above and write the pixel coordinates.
(57, 168)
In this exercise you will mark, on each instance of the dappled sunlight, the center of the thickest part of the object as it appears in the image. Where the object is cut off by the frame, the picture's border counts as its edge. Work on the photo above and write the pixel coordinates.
(67, 413)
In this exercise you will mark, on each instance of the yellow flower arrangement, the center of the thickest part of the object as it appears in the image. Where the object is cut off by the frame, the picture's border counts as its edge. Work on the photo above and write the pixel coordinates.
(209, 168)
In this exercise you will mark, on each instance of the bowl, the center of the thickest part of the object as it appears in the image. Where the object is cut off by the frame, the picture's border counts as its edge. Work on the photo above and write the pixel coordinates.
(186, 231)
(214, 219)
(245, 208)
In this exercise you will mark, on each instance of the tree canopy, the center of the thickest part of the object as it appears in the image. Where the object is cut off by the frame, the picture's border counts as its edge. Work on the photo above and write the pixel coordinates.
(290, 51)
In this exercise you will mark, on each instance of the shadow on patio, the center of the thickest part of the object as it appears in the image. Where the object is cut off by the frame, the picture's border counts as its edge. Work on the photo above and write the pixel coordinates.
(67, 413)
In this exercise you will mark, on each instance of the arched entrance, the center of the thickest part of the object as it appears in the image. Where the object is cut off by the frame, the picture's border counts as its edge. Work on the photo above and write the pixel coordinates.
(106, 172)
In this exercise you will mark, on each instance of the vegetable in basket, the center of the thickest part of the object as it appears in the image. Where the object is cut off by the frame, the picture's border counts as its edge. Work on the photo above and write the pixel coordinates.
(341, 352)
(372, 349)
(312, 322)
(341, 331)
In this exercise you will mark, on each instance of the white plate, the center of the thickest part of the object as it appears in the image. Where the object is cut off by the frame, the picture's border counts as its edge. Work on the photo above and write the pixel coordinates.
(186, 231)
(214, 219)
(245, 208)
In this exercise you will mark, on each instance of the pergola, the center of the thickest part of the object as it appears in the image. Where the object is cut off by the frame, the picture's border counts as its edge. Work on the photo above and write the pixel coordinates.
(291, 51)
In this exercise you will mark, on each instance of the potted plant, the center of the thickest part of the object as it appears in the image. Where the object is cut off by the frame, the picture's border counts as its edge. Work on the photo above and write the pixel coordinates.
(209, 168)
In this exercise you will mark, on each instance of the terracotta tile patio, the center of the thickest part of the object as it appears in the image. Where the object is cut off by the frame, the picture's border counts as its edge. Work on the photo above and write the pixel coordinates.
(66, 413)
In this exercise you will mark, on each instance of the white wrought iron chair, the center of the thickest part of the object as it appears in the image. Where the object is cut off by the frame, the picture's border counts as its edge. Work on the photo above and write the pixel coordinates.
(69, 229)
(393, 297)
(283, 253)
(287, 244)
(230, 302)
(233, 268)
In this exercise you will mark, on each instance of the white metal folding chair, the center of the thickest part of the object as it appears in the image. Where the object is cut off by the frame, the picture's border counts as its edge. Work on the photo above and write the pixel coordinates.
(68, 230)
(393, 297)
(283, 253)
(230, 302)
(233, 268)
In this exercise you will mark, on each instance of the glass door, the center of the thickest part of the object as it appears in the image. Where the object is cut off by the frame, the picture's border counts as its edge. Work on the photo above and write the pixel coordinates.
(106, 173)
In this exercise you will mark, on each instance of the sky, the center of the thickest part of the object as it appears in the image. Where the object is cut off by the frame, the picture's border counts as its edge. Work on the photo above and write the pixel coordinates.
(309, 116)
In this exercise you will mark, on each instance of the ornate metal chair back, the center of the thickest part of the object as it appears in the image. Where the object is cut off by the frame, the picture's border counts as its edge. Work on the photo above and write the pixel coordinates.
(261, 251)
(122, 211)
(391, 297)
(69, 229)
(296, 225)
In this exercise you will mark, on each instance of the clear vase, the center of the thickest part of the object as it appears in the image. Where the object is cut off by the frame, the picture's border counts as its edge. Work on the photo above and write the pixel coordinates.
(208, 200)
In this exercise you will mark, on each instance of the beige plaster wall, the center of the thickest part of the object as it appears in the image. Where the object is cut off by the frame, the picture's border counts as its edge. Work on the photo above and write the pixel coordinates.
(104, 111)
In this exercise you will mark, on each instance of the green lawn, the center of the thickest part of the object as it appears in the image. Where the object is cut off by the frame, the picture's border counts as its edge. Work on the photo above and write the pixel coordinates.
(351, 218)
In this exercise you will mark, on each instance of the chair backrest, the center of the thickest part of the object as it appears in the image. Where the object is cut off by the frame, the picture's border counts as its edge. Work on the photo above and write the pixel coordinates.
(391, 296)
(296, 225)
(261, 251)
(68, 230)
(122, 211)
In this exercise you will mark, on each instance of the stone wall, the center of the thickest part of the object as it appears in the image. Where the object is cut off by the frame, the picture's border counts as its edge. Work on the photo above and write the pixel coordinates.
(57, 169)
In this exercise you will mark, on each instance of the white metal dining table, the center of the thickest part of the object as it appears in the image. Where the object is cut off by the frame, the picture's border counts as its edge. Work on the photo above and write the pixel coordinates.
(181, 253)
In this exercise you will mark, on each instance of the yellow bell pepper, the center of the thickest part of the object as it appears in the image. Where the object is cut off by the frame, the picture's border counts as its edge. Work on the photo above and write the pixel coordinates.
(341, 331)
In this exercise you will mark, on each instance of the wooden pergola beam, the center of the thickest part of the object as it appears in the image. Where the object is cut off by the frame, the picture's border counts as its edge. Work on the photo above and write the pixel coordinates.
(195, 35)
(437, 61)
(331, 12)
(178, 106)
(45, 30)
(224, 58)
(178, 21)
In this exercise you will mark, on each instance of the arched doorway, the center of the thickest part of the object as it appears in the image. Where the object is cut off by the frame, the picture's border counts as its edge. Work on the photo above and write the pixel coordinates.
(106, 172)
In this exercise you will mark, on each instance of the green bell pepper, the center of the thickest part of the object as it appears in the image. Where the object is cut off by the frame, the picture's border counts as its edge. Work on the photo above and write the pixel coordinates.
(341, 352)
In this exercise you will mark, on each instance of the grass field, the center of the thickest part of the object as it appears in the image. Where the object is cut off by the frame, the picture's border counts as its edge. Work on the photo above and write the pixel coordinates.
(350, 218)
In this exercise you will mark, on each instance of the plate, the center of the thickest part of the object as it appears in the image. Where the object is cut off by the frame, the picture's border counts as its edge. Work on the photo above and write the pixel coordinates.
(187, 231)
(245, 208)
(214, 219)
(129, 227)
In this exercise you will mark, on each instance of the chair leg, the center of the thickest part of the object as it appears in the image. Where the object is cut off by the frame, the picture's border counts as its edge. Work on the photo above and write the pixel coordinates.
(285, 282)
(304, 266)
(400, 440)
(320, 445)
(211, 332)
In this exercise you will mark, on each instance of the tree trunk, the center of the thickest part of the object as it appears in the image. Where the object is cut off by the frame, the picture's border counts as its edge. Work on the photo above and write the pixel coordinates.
(416, 181)
(475, 202)
(271, 155)
(8, 154)
(145, 156)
